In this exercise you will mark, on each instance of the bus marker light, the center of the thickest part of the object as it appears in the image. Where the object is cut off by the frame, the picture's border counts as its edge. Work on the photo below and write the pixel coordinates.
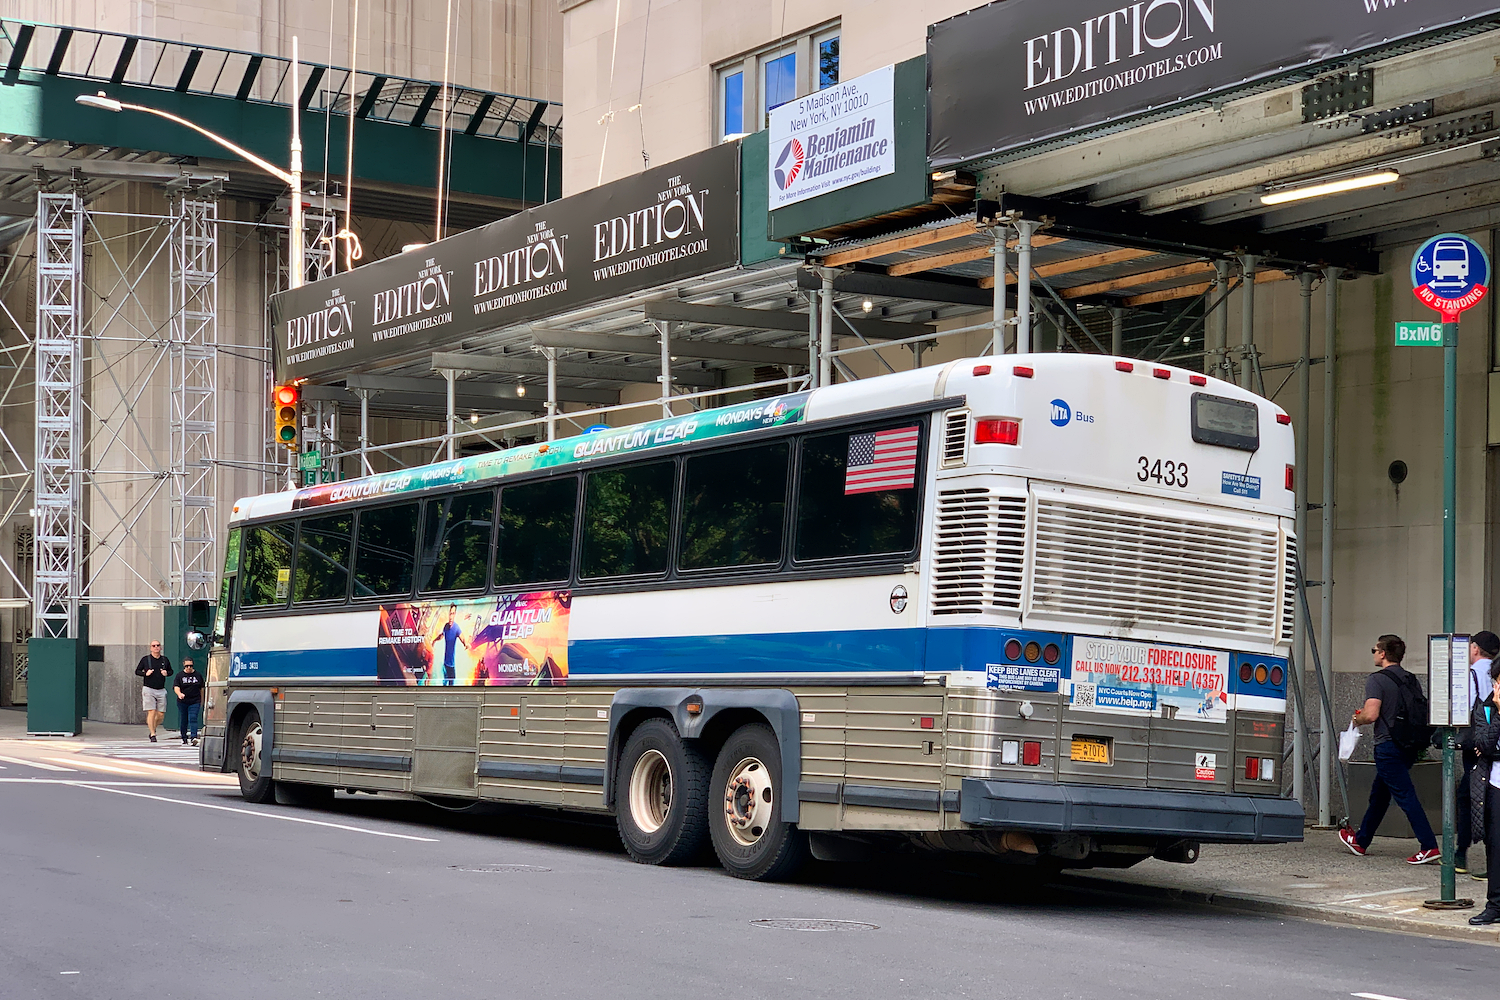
(997, 431)
(1021, 372)
(1283, 418)
(1124, 366)
(1031, 753)
(1277, 676)
(1268, 769)
(1162, 372)
(694, 706)
(1246, 672)
(1010, 751)
(1013, 649)
(1198, 380)
(1033, 651)
(1050, 653)
(1252, 768)
(928, 722)
(1291, 477)
(982, 369)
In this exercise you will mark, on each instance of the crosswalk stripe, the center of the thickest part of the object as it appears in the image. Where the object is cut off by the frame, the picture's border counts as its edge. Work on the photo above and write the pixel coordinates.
(35, 763)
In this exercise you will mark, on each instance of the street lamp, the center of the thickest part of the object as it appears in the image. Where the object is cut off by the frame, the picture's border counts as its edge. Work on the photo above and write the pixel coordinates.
(292, 177)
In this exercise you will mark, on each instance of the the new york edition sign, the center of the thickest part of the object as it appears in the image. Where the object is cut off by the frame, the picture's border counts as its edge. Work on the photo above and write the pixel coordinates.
(667, 223)
(1019, 71)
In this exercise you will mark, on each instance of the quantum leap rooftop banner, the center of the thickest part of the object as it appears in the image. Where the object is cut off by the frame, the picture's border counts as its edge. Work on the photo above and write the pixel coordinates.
(1019, 71)
(671, 222)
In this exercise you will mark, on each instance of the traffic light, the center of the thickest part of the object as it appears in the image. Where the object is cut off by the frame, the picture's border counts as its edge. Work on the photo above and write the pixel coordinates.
(284, 407)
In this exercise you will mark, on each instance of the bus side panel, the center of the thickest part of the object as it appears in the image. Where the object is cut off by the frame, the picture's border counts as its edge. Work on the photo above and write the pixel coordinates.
(376, 750)
(823, 743)
(308, 733)
(893, 767)
(544, 746)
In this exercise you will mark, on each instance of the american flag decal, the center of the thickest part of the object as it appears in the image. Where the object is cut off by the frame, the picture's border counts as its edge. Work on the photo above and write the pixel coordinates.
(882, 460)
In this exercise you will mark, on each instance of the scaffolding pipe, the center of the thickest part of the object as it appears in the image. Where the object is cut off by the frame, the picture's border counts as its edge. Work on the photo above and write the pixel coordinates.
(1325, 630)
(664, 331)
(1247, 322)
(448, 376)
(812, 336)
(1299, 621)
(551, 354)
(364, 432)
(825, 324)
(997, 339)
(1023, 286)
(1216, 331)
(1117, 331)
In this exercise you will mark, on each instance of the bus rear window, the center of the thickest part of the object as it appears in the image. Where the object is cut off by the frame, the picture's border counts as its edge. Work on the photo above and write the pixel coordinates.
(734, 508)
(323, 550)
(627, 517)
(857, 494)
(385, 556)
(456, 541)
(1231, 423)
(266, 565)
(536, 533)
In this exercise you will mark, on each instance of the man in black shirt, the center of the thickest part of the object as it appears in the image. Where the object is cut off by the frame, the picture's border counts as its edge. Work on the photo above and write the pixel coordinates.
(1392, 762)
(153, 670)
(189, 691)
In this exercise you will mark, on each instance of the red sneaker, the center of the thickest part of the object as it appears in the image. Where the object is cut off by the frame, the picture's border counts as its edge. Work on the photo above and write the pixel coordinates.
(1347, 836)
(1423, 857)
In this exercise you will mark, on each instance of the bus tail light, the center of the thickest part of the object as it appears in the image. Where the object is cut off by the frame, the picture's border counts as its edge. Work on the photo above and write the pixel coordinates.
(1022, 372)
(1198, 380)
(1252, 768)
(997, 431)
(1268, 769)
(1124, 366)
(1010, 751)
(1291, 477)
(1031, 753)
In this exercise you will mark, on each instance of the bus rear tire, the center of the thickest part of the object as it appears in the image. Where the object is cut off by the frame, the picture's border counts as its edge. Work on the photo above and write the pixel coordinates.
(750, 838)
(254, 774)
(661, 796)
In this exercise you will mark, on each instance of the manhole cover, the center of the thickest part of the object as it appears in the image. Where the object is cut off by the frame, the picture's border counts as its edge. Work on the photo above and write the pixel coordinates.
(814, 924)
(498, 869)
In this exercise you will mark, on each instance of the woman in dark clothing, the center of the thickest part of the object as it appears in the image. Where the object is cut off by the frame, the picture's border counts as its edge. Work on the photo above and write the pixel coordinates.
(1483, 738)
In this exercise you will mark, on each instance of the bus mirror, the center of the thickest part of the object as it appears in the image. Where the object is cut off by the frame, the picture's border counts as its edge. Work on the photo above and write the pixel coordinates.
(196, 639)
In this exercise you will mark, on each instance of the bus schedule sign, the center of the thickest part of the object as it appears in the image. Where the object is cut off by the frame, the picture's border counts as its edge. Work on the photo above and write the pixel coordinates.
(1450, 273)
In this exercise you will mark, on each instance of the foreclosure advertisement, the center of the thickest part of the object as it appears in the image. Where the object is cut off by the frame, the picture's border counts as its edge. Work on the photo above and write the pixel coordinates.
(1144, 679)
(1020, 71)
(702, 426)
(836, 137)
(663, 224)
(515, 639)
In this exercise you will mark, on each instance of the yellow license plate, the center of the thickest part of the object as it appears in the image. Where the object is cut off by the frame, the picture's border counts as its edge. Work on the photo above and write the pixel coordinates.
(1090, 751)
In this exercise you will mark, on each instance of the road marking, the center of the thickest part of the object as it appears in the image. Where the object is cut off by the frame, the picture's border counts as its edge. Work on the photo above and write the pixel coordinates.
(264, 815)
(83, 783)
(101, 766)
(1374, 996)
(34, 763)
(1383, 892)
(1409, 909)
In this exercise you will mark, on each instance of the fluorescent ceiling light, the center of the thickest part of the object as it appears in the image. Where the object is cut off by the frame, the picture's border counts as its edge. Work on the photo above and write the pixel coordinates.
(14, 603)
(1330, 187)
(141, 606)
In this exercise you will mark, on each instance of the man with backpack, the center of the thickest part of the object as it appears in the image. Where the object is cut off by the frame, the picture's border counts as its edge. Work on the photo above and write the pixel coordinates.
(1395, 704)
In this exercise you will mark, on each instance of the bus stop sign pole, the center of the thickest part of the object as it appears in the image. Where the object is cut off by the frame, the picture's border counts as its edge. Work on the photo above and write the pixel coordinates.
(1449, 273)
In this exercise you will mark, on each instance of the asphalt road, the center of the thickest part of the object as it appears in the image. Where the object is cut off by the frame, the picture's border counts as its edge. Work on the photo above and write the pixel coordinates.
(138, 883)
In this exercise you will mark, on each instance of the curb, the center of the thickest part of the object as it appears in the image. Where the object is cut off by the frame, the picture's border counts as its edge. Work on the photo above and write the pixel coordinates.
(1270, 905)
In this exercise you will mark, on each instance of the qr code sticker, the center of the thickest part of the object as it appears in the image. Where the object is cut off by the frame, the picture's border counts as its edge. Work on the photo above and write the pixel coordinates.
(1083, 695)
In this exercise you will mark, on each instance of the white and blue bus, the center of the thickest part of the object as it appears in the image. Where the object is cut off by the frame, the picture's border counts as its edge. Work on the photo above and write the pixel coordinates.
(1033, 606)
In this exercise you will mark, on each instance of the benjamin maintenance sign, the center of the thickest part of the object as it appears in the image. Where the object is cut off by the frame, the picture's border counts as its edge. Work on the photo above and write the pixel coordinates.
(834, 138)
(1018, 71)
(667, 223)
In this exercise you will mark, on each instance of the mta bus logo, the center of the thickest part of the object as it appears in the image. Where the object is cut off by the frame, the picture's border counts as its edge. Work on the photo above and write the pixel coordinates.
(1061, 413)
(1450, 273)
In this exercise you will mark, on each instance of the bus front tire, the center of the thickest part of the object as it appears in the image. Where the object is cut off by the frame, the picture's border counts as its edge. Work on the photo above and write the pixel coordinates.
(749, 836)
(255, 776)
(661, 796)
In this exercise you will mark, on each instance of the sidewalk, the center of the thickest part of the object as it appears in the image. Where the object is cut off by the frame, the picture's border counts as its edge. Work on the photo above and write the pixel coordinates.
(13, 727)
(1317, 879)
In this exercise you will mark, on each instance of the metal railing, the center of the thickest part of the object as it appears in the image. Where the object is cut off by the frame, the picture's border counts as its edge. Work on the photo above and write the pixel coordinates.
(108, 58)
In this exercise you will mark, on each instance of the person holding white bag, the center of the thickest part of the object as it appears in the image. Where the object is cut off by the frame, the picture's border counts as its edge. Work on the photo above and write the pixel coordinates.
(1397, 707)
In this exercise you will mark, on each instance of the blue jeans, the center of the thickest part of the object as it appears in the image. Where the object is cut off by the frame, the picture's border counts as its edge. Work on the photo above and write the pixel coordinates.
(1393, 781)
(187, 716)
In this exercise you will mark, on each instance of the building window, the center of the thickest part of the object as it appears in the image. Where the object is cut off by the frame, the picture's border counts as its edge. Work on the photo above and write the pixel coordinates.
(828, 62)
(781, 80)
(732, 97)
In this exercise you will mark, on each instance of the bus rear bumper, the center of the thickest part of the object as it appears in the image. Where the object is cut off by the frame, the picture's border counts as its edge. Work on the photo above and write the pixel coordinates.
(1205, 817)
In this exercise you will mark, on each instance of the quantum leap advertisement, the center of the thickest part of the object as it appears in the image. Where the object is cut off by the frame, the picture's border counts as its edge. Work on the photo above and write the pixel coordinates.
(515, 639)
(1145, 679)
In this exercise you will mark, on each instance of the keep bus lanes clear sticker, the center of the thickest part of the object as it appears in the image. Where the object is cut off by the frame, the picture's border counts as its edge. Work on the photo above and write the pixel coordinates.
(1147, 679)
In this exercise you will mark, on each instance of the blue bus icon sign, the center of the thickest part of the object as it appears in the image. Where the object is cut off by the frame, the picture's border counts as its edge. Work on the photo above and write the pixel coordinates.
(1450, 273)
(1061, 413)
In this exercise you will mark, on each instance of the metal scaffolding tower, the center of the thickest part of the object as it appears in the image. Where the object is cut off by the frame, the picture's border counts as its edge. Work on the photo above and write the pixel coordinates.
(58, 491)
(193, 364)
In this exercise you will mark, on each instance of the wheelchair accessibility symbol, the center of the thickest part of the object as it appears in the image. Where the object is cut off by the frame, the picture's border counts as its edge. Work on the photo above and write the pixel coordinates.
(1450, 273)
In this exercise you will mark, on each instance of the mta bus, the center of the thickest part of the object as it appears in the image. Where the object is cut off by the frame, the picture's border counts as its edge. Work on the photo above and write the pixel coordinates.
(1037, 607)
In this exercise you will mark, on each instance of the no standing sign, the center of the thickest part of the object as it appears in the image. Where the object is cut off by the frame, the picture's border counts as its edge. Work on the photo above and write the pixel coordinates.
(1450, 273)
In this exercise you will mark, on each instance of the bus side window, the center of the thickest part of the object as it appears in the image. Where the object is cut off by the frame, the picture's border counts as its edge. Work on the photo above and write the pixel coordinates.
(386, 552)
(324, 545)
(627, 515)
(456, 541)
(266, 565)
(734, 508)
(857, 493)
(536, 533)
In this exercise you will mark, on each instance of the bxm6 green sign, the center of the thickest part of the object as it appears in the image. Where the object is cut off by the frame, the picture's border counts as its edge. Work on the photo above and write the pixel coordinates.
(1419, 334)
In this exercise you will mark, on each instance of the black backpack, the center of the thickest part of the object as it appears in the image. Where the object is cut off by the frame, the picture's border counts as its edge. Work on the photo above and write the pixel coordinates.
(1409, 729)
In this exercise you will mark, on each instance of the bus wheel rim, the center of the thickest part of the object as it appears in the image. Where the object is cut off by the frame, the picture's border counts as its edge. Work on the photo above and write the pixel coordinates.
(250, 752)
(749, 801)
(650, 791)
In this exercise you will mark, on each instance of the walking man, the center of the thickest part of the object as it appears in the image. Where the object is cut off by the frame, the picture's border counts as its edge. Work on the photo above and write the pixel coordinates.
(1483, 648)
(1483, 738)
(153, 670)
(189, 691)
(1395, 704)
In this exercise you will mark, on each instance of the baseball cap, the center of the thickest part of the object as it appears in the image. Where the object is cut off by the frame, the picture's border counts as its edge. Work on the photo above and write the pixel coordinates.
(1488, 643)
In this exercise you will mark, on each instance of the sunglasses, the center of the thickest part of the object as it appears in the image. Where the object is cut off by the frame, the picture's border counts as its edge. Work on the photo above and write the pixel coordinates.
(1376, 649)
